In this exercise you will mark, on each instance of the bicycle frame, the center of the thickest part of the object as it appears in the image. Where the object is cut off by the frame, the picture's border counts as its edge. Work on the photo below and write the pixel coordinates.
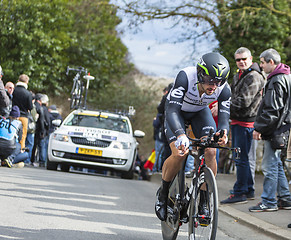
(180, 200)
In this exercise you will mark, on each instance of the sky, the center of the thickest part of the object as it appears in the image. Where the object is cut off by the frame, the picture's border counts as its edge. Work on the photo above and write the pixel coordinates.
(152, 55)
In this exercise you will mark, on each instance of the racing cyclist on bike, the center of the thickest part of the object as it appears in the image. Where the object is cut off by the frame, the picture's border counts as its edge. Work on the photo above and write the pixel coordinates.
(187, 103)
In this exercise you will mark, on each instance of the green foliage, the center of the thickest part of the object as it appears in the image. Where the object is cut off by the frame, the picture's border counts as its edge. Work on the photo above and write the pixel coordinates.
(250, 24)
(41, 38)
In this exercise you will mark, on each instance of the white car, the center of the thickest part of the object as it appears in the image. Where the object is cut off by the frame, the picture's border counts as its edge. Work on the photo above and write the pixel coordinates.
(94, 139)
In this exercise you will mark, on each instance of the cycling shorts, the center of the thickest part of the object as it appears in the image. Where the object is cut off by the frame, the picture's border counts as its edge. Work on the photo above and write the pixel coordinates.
(201, 123)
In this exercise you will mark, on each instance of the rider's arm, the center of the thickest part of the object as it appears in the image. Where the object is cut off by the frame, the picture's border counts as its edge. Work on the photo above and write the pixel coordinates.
(224, 108)
(175, 100)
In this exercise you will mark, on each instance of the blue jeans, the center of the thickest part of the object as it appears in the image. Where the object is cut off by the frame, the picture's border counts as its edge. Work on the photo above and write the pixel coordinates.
(42, 150)
(274, 177)
(17, 156)
(158, 162)
(189, 163)
(29, 143)
(242, 137)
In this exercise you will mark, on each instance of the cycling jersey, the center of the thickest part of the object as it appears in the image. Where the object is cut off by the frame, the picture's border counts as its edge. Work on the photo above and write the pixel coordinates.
(185, 105)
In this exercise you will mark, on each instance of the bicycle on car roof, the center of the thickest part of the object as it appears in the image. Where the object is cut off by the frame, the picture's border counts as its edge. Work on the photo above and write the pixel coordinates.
(77, 100)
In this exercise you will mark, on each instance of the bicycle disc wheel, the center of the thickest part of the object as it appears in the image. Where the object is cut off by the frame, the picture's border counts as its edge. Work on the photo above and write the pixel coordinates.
(197, 228)
(170, 227)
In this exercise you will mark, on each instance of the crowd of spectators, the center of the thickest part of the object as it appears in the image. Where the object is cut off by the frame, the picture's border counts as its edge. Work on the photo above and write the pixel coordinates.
(25, 124)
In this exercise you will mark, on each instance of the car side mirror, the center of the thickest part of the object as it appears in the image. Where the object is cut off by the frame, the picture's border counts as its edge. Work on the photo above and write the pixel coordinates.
(57, 122)
(138, 134)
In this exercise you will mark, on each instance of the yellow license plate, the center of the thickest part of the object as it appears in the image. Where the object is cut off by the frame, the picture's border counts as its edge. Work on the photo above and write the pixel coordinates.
(89, 151)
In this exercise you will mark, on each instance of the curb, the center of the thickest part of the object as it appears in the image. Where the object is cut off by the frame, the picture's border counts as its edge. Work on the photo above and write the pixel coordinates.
(267, 228)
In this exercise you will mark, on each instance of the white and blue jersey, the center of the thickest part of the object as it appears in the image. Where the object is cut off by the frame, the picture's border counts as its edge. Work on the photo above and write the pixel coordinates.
(185, 105)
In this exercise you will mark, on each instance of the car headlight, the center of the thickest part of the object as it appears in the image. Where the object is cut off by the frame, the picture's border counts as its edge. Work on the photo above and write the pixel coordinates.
(121, 145)
(61, 137)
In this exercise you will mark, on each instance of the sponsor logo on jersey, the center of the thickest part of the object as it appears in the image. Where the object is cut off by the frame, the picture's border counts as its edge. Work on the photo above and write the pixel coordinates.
(178, 92)
(175, 102)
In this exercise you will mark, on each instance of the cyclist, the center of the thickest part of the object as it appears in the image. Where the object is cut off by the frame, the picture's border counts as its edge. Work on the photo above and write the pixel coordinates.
(187, 103)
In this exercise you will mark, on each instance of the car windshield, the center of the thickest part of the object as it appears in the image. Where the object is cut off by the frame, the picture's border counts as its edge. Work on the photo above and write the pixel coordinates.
(98, 121)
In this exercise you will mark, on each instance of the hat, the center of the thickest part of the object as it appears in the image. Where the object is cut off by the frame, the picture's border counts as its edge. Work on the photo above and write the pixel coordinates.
(15, 112)
(44, 99)
(53, 107)
(38, 96)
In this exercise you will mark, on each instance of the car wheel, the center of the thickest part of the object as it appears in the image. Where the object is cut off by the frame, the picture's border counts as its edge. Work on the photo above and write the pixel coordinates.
(51, 165)
(129, 174)
(65, 168)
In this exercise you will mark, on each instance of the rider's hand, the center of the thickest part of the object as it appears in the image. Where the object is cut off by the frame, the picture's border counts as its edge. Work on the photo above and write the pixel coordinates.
(182, 144)
(224, 139)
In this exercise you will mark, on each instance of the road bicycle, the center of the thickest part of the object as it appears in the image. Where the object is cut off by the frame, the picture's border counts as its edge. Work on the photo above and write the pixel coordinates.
(183, 201)
(78, 87)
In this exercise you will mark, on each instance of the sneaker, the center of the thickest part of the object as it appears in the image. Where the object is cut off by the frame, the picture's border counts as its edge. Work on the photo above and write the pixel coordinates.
(161, 206)
(283, 204)
(262, 208)
(235, 199)
(249, 195)
(8, 162)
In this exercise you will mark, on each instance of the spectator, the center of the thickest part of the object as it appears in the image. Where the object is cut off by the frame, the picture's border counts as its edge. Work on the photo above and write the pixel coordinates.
(23, 99)
(47, 123)
(40, 133)
(4, 100)
(10, 134)
(5, 111)
(246, 91)
(161, 114)
(54, 115)
(272, 119)
(158, 143)
(32, 118)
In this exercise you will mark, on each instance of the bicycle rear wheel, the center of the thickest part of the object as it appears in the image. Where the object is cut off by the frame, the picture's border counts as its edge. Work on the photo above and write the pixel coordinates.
(170, 227)
(197, 228)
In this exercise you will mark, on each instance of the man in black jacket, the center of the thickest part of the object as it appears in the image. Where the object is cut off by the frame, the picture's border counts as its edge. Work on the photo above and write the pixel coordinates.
(246, 90)
(274, 116)
(23, 99)
(4, 100)
(41, 131)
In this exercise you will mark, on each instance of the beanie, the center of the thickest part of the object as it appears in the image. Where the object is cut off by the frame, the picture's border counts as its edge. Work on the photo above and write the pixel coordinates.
(15, 112)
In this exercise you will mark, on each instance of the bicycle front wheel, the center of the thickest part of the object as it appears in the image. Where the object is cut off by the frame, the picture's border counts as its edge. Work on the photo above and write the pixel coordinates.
(170, 227)
(204, 227)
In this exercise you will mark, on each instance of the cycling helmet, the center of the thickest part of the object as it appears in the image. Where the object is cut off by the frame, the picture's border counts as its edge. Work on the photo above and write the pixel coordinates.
(213, 67)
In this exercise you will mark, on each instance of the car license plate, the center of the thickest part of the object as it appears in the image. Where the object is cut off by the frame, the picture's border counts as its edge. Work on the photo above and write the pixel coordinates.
(89, 151)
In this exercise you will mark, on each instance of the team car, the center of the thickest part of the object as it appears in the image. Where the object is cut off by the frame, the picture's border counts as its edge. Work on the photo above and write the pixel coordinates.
(95, 140)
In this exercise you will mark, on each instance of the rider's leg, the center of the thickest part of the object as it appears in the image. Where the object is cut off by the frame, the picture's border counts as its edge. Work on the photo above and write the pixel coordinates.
(210, 159)
(173, 164)
(171, 167)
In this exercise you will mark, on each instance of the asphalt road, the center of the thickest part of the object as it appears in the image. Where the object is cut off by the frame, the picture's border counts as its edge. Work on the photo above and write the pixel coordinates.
(48, 205)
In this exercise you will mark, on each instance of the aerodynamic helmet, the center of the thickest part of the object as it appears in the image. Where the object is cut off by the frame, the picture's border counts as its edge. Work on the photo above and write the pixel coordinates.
(213, 68)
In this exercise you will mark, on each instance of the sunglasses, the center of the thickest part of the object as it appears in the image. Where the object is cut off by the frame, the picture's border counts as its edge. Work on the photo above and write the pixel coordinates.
(211, 81)
(238, 59)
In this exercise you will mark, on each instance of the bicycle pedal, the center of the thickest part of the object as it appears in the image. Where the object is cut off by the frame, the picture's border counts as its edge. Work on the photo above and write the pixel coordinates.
(204, 224)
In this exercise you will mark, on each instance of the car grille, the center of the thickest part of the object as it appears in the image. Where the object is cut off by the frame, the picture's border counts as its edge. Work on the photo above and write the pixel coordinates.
(88, 158)
(96, 143)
